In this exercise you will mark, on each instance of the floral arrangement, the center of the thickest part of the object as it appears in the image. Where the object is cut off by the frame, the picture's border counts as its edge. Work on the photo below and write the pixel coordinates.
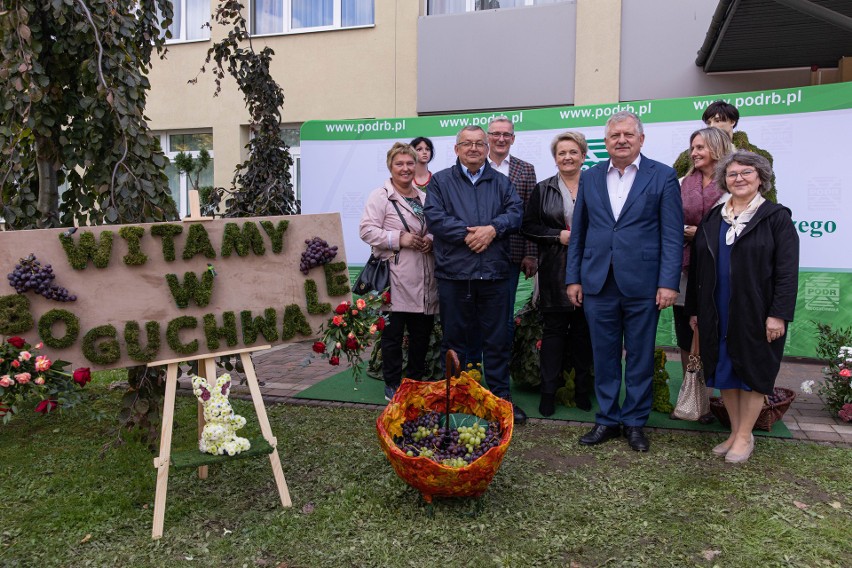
(26, 375)
(219, 435)
(836, 389)
(351, 330)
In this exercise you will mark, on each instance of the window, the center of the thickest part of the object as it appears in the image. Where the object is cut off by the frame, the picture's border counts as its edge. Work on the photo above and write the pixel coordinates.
(288, 16)
(291, 135)
(460, 6)
(190, 143)
(188, 22)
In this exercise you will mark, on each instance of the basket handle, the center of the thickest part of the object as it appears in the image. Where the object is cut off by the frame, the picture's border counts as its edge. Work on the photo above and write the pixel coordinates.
(452, 369)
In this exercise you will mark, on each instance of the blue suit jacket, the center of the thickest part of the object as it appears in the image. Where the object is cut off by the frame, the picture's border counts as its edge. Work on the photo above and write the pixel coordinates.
(644, 246)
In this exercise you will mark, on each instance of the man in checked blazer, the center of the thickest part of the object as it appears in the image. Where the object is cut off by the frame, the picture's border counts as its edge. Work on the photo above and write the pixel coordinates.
(523, 254)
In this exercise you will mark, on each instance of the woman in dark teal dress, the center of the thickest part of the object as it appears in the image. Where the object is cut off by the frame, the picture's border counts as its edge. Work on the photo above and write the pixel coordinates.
(741, 294)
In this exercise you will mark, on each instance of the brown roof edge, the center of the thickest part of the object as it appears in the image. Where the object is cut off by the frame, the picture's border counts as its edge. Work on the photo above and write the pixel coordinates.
(713, 32)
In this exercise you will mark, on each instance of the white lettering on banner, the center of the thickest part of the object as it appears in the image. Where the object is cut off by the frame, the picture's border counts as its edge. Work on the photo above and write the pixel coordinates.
(375, 126)
(762, 99)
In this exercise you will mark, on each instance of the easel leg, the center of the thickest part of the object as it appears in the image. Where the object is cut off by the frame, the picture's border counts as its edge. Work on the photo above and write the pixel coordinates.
(162, 461)
(263, 420)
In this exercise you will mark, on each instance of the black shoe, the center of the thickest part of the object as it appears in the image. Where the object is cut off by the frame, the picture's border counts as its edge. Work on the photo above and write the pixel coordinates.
(636, 438)
(547, 406)
(520, 415)
(582, 401)
(600, 434)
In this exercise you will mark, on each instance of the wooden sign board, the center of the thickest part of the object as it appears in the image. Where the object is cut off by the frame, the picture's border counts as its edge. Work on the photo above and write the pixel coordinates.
(148, 292)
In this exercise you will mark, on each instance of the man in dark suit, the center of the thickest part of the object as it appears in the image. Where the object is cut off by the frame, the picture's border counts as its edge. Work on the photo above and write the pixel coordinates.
(623, 268)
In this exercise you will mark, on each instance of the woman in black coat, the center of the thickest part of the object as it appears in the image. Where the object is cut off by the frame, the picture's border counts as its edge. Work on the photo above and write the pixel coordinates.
(741, 294)
(565, 339)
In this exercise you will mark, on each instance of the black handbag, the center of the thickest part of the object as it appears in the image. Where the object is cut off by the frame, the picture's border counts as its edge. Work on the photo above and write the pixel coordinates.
(375, 276)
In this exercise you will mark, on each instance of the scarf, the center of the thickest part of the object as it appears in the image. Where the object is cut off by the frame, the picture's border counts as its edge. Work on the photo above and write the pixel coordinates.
(738, 223)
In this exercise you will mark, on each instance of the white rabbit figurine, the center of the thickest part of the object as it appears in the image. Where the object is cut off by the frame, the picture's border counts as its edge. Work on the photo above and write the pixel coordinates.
(221, 424)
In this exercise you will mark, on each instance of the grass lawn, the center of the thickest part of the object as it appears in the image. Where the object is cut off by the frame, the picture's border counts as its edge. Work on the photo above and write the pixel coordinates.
(553, 502)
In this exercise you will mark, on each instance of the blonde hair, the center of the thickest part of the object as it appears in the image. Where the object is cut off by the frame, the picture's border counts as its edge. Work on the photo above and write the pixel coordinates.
(570, 136)
(716, 140)
(400, 148)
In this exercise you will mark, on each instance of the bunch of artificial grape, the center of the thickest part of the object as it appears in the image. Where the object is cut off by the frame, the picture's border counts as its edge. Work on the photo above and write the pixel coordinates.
(777, 396)
(317, 253)
(30, 274)
(425, 437)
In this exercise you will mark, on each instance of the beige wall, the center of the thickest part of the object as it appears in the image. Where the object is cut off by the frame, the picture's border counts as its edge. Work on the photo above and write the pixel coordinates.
(349, 73)
(596, 75)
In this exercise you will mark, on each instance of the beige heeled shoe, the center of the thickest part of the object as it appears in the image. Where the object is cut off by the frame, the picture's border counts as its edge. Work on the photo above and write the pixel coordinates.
(743, 457)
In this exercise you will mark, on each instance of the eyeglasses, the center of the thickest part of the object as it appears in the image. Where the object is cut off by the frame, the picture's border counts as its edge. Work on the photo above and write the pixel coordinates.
(499, 135)
(732, 176)
(467, 144)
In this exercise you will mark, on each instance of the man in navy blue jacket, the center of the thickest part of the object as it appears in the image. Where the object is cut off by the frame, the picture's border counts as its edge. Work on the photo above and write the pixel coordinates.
(623, 262)
(471, 209)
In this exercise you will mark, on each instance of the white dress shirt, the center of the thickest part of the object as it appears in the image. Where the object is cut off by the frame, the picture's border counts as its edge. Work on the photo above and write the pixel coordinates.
(618, 185)
(503, 168)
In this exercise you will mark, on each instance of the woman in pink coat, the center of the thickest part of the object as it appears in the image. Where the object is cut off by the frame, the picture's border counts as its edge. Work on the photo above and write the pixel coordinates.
(394, 226)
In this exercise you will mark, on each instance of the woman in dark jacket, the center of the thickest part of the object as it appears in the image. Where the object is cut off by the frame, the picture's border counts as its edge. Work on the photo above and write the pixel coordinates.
(565, 340)
(741, 294)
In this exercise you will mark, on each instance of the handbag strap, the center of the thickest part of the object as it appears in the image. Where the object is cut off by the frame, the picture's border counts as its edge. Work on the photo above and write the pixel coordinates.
(398, 212)
(694, 350)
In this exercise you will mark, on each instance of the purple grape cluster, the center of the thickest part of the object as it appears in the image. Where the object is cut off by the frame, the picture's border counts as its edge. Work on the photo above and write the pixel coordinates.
(778, 395)
(317, 253)
(30, 274)
(426, 437)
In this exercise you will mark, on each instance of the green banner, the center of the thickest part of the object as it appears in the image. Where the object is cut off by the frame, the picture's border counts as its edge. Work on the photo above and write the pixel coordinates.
(757, 103)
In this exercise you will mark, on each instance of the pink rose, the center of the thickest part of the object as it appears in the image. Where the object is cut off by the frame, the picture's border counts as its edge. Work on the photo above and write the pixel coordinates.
(845, 373)
(39, 345)
(538, 344)
(354, 312)
(373, 329)
(23, 378)
(15, 363)
(25, 356)
(361, 303)
(39, 380)
(6, 381)
(337, 320)
(42, 363)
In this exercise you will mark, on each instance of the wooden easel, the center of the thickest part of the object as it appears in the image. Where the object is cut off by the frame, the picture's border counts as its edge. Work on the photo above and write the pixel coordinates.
(207, 369)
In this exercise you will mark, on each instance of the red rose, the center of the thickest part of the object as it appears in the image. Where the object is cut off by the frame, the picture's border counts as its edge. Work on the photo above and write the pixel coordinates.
(352, 344)
(82, 376)
(334, 360)
(319, 347)
(380, 324)
(341, 309)
(386, 297)
(16, 341)
(538, 344)
(517, 322)
(46, 406)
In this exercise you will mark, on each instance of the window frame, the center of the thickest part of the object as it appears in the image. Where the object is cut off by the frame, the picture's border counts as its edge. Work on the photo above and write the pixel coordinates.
(470, 6)
(184, 23)
(287, 16)
(183, 183)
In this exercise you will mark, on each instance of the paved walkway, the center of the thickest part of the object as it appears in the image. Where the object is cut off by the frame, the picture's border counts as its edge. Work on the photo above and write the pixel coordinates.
(288, 369)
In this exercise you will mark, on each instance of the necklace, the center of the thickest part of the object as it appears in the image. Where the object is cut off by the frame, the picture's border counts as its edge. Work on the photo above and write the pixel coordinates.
(572, 190)
(425, 183)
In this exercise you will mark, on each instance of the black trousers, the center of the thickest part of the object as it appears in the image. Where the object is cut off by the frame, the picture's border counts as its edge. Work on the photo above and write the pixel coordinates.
(419, 330)
(566, 343)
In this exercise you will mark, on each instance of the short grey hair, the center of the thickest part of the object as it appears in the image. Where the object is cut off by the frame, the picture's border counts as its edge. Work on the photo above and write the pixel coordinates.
(744, 158)
(502, 118)
(621, 116)
(469, 128)
(570, 136)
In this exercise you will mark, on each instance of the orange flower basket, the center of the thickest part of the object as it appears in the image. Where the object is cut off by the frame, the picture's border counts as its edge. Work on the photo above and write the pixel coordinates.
(431, 478)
